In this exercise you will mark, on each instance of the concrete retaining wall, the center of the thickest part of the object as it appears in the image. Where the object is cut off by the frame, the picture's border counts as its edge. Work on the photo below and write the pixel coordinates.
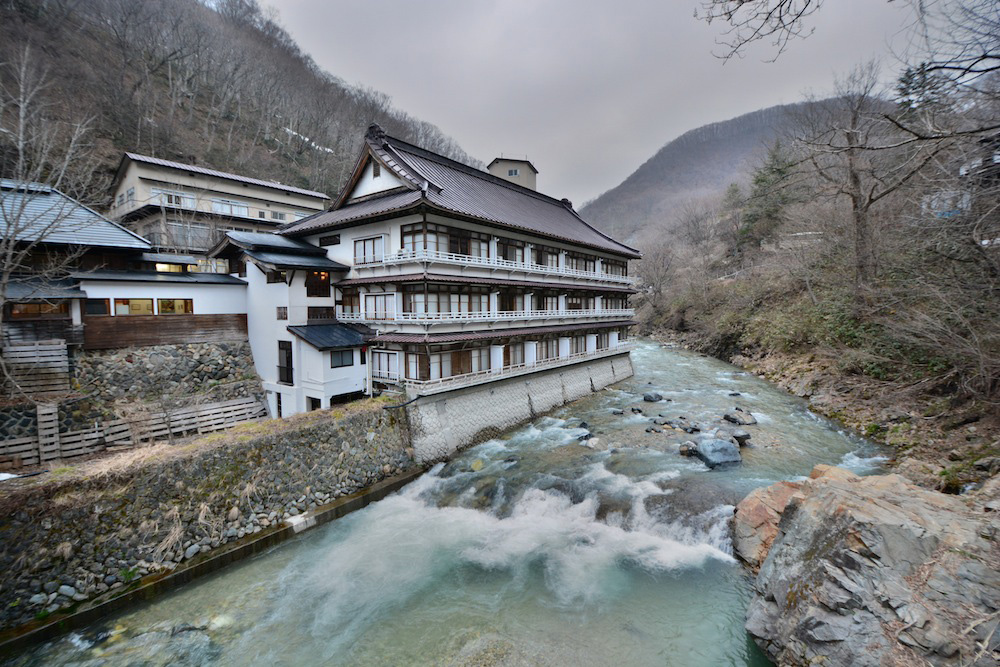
(442, 424)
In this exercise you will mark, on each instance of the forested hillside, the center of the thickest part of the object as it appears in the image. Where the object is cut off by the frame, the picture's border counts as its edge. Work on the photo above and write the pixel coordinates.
(218, 84)
(696, 166)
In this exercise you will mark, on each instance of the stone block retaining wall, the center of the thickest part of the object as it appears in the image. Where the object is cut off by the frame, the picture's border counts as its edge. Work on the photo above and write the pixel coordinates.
(443, 424)
(73, 534)
(222, 370)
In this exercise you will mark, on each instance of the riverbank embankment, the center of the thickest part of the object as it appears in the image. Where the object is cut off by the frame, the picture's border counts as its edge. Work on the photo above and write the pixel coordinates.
(79, 535)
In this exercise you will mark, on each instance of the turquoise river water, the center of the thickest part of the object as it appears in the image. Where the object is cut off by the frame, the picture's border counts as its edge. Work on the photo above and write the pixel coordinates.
(527, 550)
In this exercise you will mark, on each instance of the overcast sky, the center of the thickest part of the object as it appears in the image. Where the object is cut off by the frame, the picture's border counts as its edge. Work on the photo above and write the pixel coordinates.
(588, 90)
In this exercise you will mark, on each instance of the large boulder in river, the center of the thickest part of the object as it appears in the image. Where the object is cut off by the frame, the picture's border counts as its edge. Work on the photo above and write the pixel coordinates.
(873, 571)
(652, 397)
(717, 453)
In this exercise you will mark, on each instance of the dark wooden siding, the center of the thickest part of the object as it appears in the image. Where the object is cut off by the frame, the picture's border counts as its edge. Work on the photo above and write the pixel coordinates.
(102, 332)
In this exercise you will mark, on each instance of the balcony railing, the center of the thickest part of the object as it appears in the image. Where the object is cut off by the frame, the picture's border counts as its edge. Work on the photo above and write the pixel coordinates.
(408, 256)
(385, 376)
(435, 318)
(425, 387)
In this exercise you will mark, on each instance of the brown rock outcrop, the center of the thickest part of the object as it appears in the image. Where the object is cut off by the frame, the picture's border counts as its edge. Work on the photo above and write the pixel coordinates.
(867, 571)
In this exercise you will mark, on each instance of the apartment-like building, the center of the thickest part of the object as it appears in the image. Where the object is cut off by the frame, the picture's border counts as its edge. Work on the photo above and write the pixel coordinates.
(185, 208)
(463, 277)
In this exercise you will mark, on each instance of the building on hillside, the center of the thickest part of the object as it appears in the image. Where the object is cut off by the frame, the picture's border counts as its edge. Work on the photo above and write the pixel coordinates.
(106, 272)
(464, 277)
(305, 358)
(185, 208)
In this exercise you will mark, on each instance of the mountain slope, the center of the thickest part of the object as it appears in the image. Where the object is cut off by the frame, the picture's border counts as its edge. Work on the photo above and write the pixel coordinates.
(214, 83)
(698, 165)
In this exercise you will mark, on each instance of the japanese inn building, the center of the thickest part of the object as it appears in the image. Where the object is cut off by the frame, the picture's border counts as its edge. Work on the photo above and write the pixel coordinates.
(428, 276)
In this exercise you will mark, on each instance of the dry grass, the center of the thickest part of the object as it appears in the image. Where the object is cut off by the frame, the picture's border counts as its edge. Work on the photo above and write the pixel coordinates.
(120, 464)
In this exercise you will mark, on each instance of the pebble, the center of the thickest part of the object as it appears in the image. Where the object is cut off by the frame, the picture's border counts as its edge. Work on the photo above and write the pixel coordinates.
(68, 591)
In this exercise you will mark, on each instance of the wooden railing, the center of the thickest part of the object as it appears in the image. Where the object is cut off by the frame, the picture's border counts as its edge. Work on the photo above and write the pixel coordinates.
(407, 256)
(425, 387)
(50, 445)
(485, 316)
(32, 331)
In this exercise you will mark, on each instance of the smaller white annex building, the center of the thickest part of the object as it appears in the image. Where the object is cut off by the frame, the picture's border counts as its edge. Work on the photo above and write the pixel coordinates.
(305, 358)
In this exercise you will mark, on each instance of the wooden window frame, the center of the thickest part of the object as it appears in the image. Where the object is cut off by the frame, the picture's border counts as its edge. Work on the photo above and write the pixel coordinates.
(159, 307)
(318, 284)
(107, 307)
(281, 312)
(152, 304)
(335, 354)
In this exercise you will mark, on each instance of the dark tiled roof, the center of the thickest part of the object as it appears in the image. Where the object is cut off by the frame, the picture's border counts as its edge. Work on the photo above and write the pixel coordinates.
(280, 260)
(453, 187)
(33, 288)
(41, 213)
(156, 277)
(473, 280)
(495, 333)
(265, 241)
(333, 336)
(222, 174)
(396, 202)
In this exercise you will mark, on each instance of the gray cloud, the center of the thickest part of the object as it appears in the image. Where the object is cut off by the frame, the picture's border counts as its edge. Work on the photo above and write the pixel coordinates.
(587, 89)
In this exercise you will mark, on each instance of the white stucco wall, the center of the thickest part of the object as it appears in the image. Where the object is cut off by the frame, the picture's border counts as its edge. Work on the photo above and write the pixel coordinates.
(368, 184)
(206, 299)
(312, 375)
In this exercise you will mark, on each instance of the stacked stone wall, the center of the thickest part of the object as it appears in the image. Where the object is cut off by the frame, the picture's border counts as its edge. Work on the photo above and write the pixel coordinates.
(211, 371)
(443, 424)
(74, 534)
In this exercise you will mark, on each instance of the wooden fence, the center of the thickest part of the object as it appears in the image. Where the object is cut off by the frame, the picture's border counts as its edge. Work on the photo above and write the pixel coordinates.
(50, 445)
(39, 368)
(102, 332)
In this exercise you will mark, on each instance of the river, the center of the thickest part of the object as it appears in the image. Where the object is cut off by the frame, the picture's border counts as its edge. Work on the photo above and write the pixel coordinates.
(527, 550)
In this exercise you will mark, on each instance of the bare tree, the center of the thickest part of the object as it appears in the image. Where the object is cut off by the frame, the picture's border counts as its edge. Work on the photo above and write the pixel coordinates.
(34, 149)
(854, 153)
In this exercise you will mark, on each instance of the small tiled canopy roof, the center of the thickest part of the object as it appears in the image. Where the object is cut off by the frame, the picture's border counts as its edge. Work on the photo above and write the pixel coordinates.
(435, 183)
(333, 336)
(276, 252)
(35, 288)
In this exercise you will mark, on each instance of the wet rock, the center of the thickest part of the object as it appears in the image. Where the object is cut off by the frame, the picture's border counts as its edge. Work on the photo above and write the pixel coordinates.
(652, 397)
(740, 417)
(688, 448)
(660, 421)
(636, 411)
(617, 411)
(68, 591)
(715, 453)
(654, 429)
(192, 551)
(872, 571)
(734, 393)
(755, 524)
(740, 436)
